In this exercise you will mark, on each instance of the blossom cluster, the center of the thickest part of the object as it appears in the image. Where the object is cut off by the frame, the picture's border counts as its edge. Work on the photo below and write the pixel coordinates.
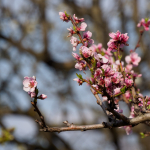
(30, 86)
(110, 76)
(145, 23)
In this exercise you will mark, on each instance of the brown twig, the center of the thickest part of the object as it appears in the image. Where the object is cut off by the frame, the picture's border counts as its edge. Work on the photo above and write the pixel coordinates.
(71, 127)
(43, 125)
(99, 102)
(137, 45)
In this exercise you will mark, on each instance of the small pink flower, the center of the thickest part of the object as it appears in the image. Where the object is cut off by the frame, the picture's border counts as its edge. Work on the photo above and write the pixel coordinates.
(98, 73)
(63, 16)
(71, 32)
(74, 42)
(127, 94)
(82, 27)
(145, 23)
(117, 38)
(81, 65)
(32, 94)
(128, 129)
(117, 91)
(77, 20)
(128, 82)
(133, 58)
(76, 56)
(132, 115)
(29, 84)
(100, 58)
(42, 96)
(87, 35)
(78, 80)
(85, 51)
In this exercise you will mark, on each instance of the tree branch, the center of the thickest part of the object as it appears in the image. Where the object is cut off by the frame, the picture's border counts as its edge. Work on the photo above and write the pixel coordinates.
(118, 123)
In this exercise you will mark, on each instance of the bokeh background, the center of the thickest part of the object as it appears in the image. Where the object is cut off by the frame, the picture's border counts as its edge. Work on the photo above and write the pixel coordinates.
(33, 41)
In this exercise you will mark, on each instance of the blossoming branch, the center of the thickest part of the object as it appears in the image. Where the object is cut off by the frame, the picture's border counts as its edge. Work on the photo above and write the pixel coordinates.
(110, 76)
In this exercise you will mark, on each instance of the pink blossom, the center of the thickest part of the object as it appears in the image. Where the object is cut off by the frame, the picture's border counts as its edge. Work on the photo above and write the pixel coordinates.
(127, 94)
(118, 110)
(63, 16)
(42, 96)
(81, 65)
(76, 56)
(77, 20)
(78, 80)
(100, 58)
(128, 82)
(132, 115)
(116, 77)
(82, 27)
(128, 67)
(105, 98)
(71, 32)
(116, 91)
(145, 23)
(98, 73)
(128, 129)
(107, 81)
(29, 84)
(32, 94)
(117, 38)
(87, 35)
(133, 58)
(74, 42)
(85, 51)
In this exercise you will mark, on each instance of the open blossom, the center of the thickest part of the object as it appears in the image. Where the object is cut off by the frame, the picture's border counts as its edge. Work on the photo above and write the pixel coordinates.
(133, 58)
(145, 23)
(87, 35)
(74, 42)
(117, 91)
(100, 58)
(81, 65)
(29, 84)
(71, 32)
(63, 16)
(85, 51)
(82, 27)
(117, 39)
(77, 20)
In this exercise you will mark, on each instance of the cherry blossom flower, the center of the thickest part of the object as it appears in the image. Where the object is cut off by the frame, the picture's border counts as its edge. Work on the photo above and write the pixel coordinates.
(81, 65)
(87, 35)
(78, 80)
(128, 129)
(145, 23)
(100, 58)
(29, 84)
(32, 94)
(85, 51)
(76, 56)
(133, 58)
(71, 32)
(77, 20)
(117, 39)
(82, 27)
(64, 17)
(117, 91)
(74, 42)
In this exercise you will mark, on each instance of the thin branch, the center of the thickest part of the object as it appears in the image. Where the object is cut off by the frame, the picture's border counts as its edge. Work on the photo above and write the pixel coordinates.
(118, 123)
(40, 115)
